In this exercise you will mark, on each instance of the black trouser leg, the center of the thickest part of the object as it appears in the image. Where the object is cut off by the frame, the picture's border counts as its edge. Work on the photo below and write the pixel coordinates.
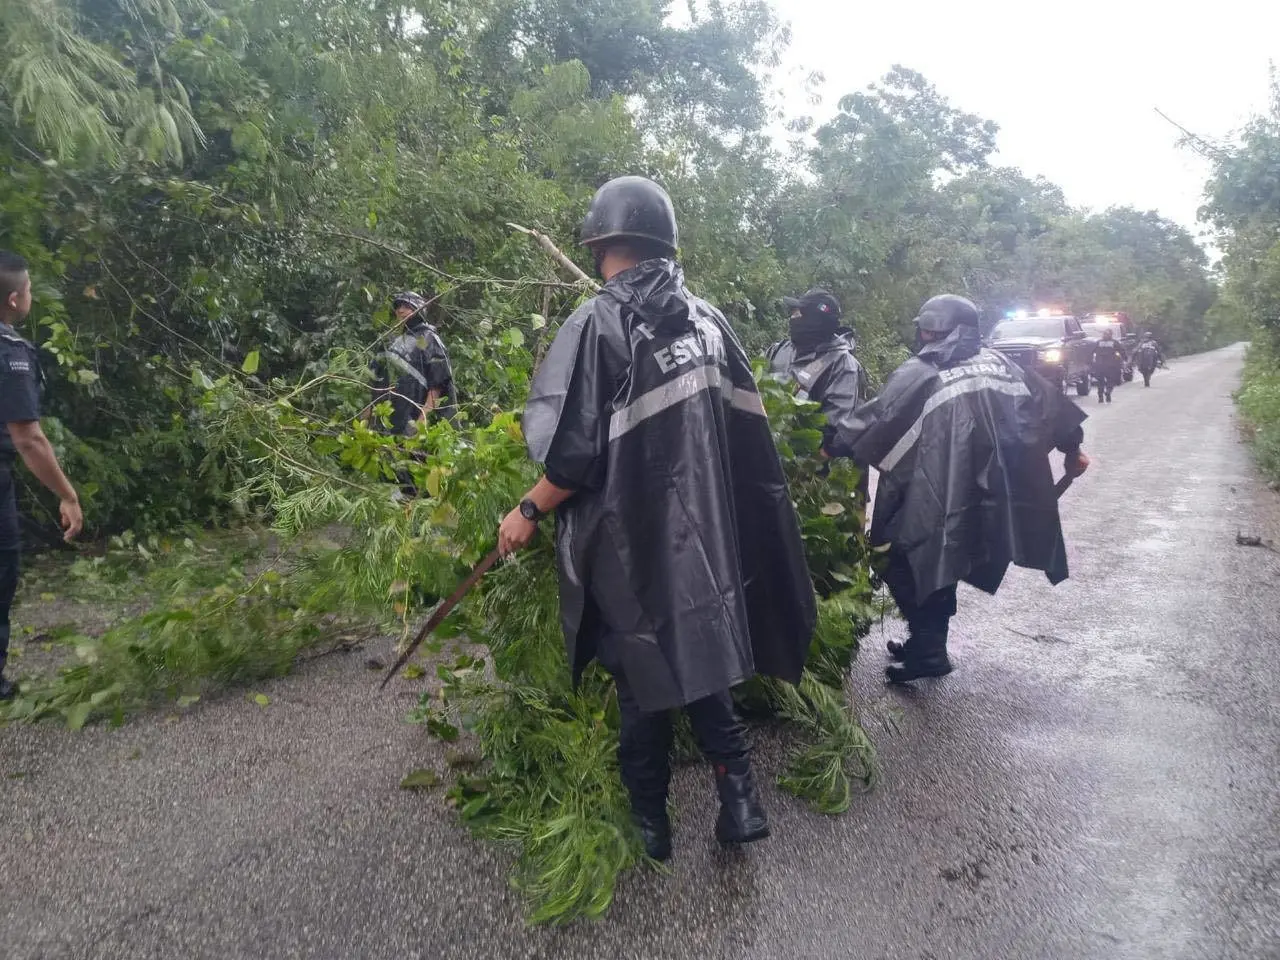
(929, 623)
(719, 732)
(9, 562)
(928, 619)
(644, 752)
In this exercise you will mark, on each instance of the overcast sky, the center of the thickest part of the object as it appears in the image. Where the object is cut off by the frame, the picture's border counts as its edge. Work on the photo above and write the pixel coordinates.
(1073, 85)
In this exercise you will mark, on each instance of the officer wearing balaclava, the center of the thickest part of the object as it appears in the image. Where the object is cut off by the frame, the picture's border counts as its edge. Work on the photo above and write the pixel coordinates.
(818, 359)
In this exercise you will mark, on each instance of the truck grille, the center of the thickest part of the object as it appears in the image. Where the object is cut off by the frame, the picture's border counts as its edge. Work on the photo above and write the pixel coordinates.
(1023, 358)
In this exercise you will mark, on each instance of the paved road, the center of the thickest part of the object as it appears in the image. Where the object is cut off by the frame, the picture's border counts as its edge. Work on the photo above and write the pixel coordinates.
(1109, 790)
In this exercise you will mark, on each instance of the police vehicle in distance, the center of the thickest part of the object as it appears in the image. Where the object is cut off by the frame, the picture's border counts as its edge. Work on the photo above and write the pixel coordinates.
(1052, 344)
(1121, 329)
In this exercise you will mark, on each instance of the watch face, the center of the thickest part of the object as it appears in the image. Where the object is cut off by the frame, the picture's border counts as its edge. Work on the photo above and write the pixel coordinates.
(528, 510)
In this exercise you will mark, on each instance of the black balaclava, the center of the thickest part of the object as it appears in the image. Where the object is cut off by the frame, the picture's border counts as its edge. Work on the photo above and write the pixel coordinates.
(818, 320)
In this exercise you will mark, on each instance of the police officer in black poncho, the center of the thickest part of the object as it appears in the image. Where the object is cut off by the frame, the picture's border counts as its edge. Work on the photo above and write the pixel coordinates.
(961, 436)
(818, 358)
(679, 555)
(1108, 359)
(414, 375)
(413, 372)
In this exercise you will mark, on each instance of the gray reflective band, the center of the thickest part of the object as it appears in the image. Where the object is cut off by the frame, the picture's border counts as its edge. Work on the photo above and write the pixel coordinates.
(813, 370)
(404, 366)
(747, 401)
(676, 391)
(1013, 388)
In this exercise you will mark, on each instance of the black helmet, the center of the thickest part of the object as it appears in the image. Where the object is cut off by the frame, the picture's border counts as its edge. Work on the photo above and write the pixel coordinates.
(815, 303)
(409, 299)
(945, 313)
(631, 208)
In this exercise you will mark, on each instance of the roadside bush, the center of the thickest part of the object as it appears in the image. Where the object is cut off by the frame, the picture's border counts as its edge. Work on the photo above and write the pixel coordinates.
(1259, 401)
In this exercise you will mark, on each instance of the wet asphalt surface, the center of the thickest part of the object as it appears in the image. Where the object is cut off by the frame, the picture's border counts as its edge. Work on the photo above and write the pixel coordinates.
(1099, 779)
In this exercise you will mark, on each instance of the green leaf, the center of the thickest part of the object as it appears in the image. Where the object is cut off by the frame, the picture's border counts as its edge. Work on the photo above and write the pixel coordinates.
(188, 699)
(250, 365)
(261, 699)
(537, 321)
(78, 715)
(420, 780)
(413, 671)
(46, 597)
(832, 509)
(515, 338)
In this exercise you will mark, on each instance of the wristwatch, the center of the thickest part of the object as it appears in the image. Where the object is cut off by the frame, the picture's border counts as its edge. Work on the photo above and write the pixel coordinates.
(529, 510)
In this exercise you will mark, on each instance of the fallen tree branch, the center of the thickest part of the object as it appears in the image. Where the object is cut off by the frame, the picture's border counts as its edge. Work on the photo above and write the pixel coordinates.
(554, 252)
(391, 248)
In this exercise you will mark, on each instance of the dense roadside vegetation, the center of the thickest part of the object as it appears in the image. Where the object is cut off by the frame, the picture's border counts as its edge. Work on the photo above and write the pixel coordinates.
(1244, 206)
(217, 204)
(227, 188)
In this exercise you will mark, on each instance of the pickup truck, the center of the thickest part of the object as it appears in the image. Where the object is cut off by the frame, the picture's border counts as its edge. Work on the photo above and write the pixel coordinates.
(1055, 347)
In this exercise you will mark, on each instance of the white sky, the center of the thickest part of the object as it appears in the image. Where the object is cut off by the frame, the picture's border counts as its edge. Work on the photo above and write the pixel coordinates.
(1073, 85)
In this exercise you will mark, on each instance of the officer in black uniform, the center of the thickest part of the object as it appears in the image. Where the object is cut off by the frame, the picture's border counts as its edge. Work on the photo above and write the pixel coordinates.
(961, 436)
(20, 435)
(818, 358)
(681, 565)
(1108, 364)
(414, 373)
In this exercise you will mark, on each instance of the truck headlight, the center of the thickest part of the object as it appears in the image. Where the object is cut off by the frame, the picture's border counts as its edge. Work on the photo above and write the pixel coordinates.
(1051, 356)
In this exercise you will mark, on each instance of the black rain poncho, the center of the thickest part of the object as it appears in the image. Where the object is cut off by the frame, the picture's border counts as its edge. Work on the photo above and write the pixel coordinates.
(827, 374)
(413, 364)
(680, 557)
(961, 436)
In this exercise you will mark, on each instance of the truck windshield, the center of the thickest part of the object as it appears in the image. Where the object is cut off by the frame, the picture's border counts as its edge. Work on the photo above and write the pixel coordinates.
(1031, 327)
(1095, 329)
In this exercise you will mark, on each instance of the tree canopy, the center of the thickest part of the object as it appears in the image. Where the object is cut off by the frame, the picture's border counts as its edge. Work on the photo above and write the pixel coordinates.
(241, 187)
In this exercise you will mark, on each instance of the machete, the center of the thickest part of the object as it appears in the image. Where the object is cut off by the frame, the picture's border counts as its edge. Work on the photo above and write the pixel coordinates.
(442, 611)
(1060, 487)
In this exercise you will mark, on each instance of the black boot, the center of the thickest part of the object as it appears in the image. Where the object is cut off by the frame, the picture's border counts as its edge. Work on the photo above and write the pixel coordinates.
(924, 656)
(655, 830)
(918, 668)
(742, 818)
(897, 650)
(8, 689)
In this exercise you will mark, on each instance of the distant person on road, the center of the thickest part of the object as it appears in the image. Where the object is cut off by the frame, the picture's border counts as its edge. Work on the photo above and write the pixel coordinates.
(1107, 364)
(1148, 356)
(682, 570)
(961, 436)
(21, 382)
(818, 360)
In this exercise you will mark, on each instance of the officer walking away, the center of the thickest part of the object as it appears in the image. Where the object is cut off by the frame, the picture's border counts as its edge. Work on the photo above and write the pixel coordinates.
(818, 358)
(1148, 357)
(961, 436)
(20, 385)
(413, 373)
(678, 550)
(1108, 364)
